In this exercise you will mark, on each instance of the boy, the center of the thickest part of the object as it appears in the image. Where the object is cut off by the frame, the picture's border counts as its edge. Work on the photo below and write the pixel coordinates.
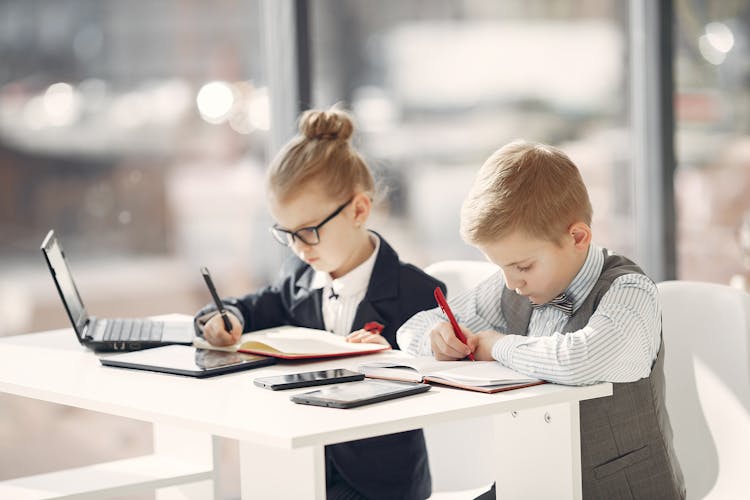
(565, 310)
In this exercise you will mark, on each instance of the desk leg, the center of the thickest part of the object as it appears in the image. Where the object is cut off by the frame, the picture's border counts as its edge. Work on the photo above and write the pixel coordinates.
(538, 452)
(270, 472)
(195, 447)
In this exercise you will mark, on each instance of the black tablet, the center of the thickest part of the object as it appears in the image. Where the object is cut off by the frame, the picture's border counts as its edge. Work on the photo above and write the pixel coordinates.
(359, 393)
(187, 360)
(307, 379)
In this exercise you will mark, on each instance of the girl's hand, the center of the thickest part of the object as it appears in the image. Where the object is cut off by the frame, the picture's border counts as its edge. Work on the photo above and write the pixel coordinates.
(365, 337)
(214, 331)
(445, 344)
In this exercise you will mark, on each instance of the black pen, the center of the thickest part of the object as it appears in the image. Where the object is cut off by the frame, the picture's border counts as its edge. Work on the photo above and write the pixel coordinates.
(217, 300)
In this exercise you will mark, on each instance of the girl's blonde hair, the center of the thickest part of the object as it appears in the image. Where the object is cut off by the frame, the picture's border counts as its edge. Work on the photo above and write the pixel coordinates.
(525, 186)
(321, 152)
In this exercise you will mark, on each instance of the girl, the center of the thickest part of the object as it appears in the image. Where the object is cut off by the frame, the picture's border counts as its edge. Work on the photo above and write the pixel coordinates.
(341, 277)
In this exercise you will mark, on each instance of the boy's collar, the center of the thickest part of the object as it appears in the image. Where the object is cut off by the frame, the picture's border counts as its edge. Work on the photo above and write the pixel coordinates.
(586, 278)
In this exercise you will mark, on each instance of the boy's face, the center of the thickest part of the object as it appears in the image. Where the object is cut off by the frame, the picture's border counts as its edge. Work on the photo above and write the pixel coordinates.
(539, 269)
(338, 238)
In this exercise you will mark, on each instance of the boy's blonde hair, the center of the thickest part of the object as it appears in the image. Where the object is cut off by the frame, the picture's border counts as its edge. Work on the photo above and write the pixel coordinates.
(525, 186)
(321, 152)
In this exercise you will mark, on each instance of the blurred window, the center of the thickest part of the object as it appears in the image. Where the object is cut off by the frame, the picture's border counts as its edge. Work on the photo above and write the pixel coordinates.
(138, 131)
(712, 107)
(436, 87)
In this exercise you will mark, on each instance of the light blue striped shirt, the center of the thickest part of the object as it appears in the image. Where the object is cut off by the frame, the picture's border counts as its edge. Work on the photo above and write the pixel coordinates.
(618, 344)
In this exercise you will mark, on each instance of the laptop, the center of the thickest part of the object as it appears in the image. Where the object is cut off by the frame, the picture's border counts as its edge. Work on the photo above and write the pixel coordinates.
(104, 334)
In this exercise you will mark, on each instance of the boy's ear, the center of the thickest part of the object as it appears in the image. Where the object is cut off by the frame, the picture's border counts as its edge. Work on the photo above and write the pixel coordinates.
(581, 234)
(362, 207)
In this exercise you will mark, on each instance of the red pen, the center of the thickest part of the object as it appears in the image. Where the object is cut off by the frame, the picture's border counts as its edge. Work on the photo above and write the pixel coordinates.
(447, 310)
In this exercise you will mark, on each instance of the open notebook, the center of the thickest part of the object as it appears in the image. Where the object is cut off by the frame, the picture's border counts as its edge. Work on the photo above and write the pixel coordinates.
(481, 376)
(293, 342)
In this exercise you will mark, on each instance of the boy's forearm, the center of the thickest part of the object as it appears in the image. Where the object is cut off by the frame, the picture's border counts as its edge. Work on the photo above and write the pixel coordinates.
(470, 308)
(414, 336)
(618, 344)
(596, 353)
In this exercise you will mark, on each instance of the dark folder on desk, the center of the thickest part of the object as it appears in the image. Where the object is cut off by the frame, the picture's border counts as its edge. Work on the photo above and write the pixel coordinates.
(186, 360)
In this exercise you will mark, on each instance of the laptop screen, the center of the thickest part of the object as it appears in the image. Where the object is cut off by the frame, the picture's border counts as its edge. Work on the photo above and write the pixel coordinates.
(53, 253)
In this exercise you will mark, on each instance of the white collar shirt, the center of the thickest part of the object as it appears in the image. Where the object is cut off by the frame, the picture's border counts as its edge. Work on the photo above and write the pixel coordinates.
(341, 296)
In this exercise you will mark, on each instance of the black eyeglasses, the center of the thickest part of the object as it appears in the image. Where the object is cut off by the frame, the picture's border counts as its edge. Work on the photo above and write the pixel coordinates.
(307, 235)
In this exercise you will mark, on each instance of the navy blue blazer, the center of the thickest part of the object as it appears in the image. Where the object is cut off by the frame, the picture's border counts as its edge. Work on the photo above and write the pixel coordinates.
(393, 466)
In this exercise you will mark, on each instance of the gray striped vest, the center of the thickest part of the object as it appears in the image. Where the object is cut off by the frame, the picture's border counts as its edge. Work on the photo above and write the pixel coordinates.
(626, 438)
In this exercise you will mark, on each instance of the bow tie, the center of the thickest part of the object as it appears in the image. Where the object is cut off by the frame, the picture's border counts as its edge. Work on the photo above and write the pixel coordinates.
(333, 294)
(560, 302)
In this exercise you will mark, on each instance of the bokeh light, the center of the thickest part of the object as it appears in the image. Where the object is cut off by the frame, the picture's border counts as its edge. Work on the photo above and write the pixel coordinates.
(215, 101)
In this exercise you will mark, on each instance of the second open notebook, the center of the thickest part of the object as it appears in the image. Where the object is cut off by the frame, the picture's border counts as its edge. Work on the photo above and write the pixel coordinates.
(481, 376)
(292, 342)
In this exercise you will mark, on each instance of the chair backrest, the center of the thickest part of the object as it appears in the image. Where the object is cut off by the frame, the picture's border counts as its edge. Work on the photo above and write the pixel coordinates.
(457, 463)
(706, 330)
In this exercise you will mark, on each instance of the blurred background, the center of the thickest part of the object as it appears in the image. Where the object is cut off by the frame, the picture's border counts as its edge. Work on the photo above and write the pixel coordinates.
(140, 132)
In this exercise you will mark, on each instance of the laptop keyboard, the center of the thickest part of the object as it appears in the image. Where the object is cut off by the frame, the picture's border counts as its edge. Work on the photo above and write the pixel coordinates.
(133, 329)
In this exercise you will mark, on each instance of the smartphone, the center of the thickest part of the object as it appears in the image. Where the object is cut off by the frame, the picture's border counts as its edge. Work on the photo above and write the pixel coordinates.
(359, 393)
(308, 379)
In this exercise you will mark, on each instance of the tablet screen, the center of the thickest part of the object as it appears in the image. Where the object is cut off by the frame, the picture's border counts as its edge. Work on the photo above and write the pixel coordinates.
(186, 360)
(207, 359)
(361, 393)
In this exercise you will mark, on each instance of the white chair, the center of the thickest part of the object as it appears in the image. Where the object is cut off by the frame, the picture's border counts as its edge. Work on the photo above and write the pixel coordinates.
(461, 468)
(706, 330)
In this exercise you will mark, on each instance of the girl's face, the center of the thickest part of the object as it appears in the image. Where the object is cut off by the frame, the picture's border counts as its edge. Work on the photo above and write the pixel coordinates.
(343, 242)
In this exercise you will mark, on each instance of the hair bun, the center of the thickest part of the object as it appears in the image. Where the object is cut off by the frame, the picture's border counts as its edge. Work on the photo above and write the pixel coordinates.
(330, 125)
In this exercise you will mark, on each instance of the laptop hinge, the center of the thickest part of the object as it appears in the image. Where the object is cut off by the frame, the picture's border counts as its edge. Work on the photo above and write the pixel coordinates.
(88, 328)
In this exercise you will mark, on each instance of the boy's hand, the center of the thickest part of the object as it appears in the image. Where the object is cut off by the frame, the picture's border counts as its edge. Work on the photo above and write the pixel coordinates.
(481, 344)
(214, 331)
(445, 344)
(363, 336)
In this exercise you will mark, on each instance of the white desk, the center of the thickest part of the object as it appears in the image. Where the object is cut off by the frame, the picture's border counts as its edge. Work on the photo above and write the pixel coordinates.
(281, 443)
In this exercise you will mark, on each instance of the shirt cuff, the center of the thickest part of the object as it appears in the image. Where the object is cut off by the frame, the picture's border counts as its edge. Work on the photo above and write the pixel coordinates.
(426, 348)
(502, 351)
(419, 345)
(236, 311)
(200, 321)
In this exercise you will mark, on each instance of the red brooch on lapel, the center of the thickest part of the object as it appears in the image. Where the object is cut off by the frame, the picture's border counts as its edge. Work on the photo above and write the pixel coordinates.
(374, 327)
